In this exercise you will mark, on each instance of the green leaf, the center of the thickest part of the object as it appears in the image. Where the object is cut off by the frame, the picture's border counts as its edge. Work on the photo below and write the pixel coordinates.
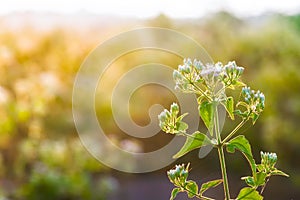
(260, 179)
(254, 117)
(174, 193)
(242, 144)
(279, 173)
(194, 141)
(249, 181)
(240, 113)
(206, 111)
(181, 116)
(210, 184)
(229, 106)
(192, 188)
(248, 193)
(181, 126)
(236, 84)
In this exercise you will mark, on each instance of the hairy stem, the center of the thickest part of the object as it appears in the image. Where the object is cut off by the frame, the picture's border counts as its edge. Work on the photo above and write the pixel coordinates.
(221, 155)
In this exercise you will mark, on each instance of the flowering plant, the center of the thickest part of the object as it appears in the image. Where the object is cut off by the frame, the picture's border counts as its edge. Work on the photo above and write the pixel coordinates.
(211, 83)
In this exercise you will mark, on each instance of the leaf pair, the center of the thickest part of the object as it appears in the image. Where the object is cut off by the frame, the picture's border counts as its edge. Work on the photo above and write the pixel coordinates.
(206, 112)
(191, 188)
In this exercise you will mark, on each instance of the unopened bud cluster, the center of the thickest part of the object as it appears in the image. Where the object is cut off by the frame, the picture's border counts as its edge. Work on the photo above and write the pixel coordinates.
(188, 75)
(255, 99)
(232, 73)
(268, 160)
(179, 174)
(169, 122)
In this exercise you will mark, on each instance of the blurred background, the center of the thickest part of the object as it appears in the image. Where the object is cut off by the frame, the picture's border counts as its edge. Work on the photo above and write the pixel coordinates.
(42, 45)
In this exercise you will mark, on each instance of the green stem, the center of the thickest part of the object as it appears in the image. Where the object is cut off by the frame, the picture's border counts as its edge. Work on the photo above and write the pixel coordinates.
(201, 91)
(234, 130)
(197, 195)
(264, 186)
(224, 173)
(221, 155)
(190, 136)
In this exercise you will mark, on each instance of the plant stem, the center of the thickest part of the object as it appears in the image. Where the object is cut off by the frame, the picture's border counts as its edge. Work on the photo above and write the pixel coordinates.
(224, 173)
(234, 130)
(198, 196)
(221, 155)
(264, 186)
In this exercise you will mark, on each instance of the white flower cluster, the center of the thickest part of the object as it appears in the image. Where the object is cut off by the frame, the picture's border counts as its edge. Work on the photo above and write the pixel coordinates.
(190, 74)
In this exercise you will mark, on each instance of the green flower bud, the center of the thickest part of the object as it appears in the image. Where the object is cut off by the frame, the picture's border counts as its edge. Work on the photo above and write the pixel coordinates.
(181, 68)
(162, 116)
(171, 175)
(268, 160)
(176, 75)
(187, 61)
(174, 108)
(198, 65)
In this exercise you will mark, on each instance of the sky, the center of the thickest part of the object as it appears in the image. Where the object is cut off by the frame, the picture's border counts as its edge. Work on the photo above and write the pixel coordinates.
(150, 8)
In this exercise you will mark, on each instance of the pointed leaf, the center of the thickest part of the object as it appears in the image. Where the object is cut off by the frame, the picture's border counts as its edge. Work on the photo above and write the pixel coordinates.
(279, 173)
(192, 188)
(248, 193)
(194, 141)
(182, 116)
(229, 106)
(206, 112)
(174, 193)
(210, 184)
(242, 144)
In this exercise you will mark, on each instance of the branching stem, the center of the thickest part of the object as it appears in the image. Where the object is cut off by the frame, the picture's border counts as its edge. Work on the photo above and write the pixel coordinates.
(240, 125)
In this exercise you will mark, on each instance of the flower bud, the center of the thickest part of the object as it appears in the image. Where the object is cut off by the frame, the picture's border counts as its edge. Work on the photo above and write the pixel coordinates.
(162, 116)
(198, 65)
(181, 68)
(176, 75)
(174, 108)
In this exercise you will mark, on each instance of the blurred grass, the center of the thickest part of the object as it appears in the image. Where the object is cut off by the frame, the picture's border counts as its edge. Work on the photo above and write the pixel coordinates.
(40, 151)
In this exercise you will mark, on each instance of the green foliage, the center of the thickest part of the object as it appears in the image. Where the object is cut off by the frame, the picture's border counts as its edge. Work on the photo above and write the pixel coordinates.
(33, 111)
(193, 141)
(178, 176)
(242, 144)
(210, 184)
(249, 194)
(229, 106)
(55, 185)
(211, 82)
(206, 111)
